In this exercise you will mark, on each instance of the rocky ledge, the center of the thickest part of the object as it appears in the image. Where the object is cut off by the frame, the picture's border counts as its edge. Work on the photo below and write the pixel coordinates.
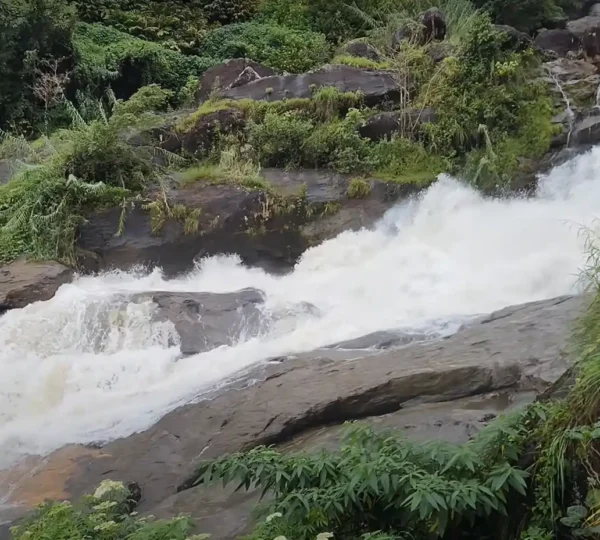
(271, 228)
(517, 351)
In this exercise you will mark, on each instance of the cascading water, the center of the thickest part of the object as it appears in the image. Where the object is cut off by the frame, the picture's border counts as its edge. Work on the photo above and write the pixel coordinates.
(86, 367)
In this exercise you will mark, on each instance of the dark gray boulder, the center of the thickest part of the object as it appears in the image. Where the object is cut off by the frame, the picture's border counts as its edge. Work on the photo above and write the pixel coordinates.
(361, 49)
(23, 282)
(227, 73)
(587, 30)
(430, 27)
(386, 124)
(586, 131)
(558, 41)
(376, 86)
(205, 321)
(515, 38)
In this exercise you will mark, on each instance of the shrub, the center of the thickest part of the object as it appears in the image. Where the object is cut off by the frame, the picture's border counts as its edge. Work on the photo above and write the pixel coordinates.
(382, 482)
(106, 55)
(358, 188)
(176, 24)
(337, 145)
(103, 516)
(486, 84)
(404, 161)
(281, 48)
(229, 11)
(359, 62)
(90, 165)
(279, 139)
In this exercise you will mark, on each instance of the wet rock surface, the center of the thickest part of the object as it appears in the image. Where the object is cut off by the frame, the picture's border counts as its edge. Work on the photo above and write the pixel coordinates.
(23, 282)
(207, 320)
(515, 350)
(234, 219)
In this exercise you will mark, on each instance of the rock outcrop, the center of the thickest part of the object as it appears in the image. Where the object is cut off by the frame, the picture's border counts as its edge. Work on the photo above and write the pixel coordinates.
(23, 282)
(361, 49)
(386, 124)
(587, 30)
(250, 222)
(376, 86)
(227, 74)
(207, 320)
(517, 349)
(559, 41)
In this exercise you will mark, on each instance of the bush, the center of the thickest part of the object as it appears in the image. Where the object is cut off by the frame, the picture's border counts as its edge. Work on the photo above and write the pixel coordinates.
(486, 84)
(382, 482)
(279, 139)
(106, 55)
(88, 166)
(337, 145)
(404, 161)
(229, 11)
(176, 24)
(281, 48)
(102, 516)
(358, 188)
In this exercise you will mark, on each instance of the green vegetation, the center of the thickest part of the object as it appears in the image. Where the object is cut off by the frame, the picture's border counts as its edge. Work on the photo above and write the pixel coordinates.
(281, 48)
(105, 515)
(72, 73)
(87, 166)
(358, 188)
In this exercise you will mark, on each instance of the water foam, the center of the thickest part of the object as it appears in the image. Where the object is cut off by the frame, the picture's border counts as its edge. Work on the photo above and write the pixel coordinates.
(80, 369)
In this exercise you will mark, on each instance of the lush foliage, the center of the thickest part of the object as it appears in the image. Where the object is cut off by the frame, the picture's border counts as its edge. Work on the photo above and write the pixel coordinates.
(87, 166)
(276, 46)
(105, 515)
(32, 33)
(107, 56)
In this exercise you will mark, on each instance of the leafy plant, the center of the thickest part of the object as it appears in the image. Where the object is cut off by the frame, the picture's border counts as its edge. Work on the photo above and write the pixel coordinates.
(281, 48)
(358, 188)
(106, 515)
(379, 481)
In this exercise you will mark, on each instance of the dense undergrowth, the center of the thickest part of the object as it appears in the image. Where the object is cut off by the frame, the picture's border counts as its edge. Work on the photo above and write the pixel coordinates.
(65, 63)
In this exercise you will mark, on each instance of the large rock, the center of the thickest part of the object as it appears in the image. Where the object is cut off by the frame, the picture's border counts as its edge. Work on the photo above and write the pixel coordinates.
(515, 39)
(558, 41)
(224, 75)
(23, 282)
(252, 223)
(587, 30)
(199, 137)
(361, 49)
(522, 348)
(586, 131)
(578, 79)
(207, 320)
(431, 26)
(376, 86)
(386, 124)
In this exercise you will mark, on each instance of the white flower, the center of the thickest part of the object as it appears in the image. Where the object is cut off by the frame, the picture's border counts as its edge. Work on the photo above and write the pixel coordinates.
(273, 516)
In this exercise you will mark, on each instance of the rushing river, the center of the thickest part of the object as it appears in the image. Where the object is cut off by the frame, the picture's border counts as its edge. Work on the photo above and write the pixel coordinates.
(76, 369)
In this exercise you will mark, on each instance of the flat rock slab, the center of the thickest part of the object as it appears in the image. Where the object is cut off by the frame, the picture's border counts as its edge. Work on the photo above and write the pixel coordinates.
(376, 86)
(23, 282)
(519, 348)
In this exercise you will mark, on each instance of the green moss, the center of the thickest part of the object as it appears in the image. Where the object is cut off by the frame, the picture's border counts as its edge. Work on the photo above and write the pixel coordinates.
(361, 63)
(358, 188)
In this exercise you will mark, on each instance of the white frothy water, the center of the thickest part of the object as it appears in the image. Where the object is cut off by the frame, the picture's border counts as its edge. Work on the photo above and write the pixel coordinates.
(78, 369)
